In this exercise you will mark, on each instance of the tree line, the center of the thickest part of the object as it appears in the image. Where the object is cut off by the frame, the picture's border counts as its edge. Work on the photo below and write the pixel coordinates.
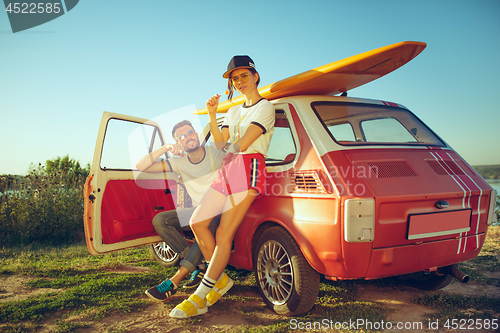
(45, 205)
(488, 171)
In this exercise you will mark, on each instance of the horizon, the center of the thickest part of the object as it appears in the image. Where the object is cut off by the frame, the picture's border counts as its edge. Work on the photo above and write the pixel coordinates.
(151, 60)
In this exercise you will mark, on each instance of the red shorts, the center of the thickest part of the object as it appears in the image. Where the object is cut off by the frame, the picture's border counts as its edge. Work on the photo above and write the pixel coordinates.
(241, 172)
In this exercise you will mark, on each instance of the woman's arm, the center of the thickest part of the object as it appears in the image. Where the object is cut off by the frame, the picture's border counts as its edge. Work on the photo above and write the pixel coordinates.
(263, 120)
(251, 134)
(219, 136)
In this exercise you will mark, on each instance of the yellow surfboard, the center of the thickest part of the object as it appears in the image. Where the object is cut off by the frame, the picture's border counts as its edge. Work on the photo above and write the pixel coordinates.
(337, 77)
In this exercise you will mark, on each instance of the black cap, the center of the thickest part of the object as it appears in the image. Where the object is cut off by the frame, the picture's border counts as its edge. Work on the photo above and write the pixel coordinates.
(239, 61)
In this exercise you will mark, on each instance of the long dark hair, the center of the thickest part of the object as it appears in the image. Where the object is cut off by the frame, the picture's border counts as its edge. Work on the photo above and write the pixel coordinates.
(230, 86)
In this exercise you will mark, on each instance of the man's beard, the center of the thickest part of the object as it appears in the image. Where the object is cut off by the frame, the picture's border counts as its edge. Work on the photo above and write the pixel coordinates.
(190, 150)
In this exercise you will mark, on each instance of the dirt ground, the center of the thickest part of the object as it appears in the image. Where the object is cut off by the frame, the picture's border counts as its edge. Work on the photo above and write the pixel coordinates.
(231, 315)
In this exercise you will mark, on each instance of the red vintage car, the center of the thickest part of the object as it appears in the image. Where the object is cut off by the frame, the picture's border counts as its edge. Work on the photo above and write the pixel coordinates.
(357, 189)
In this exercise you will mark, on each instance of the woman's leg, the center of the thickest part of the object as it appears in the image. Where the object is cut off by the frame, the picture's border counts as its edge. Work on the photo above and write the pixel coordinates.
(230, 221)
(231, 218)
(215, 283)
(210, 206)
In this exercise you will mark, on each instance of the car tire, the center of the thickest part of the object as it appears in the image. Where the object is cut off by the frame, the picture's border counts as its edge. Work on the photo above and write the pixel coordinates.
(164, 255)
(431, 281)
(287, 283)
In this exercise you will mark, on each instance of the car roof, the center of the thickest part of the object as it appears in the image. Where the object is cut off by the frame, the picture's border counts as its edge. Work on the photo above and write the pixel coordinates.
(308, 99)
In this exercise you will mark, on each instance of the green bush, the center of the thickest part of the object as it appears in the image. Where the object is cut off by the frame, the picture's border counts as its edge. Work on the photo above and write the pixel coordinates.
(497, 210)
(45, 206)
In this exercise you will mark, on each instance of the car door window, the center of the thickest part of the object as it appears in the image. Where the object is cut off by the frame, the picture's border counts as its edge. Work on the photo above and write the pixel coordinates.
(126, 142)
(282, 147)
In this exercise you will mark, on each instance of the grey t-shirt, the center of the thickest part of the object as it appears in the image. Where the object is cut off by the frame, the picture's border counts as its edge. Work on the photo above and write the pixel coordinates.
(198, 177)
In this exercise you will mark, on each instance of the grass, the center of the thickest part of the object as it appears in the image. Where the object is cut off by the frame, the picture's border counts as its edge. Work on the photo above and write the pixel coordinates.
(460, 307)
(87, 285)
(88, 288)
(466, 307)
(487, 260)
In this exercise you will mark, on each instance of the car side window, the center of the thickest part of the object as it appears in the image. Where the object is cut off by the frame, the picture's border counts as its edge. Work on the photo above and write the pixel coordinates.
(282, 147)
(126, 142)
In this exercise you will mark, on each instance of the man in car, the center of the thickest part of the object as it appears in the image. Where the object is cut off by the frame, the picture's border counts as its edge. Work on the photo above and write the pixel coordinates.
(197, 165)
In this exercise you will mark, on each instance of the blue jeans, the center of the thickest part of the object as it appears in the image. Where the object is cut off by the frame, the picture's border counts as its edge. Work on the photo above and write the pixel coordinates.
(168, 225)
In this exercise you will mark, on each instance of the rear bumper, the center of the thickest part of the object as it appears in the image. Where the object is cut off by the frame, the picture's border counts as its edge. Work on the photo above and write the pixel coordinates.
(415, 258)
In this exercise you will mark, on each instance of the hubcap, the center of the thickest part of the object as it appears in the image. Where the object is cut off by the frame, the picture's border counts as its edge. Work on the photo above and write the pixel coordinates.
(164, 252)
(274, 272)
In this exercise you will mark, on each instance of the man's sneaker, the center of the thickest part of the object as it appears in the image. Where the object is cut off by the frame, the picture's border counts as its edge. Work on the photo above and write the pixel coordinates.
(195, 278)
(162, 291)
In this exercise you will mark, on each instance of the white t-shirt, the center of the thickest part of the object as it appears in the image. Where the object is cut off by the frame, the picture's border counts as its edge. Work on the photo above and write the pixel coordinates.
(240, 117)
(199, 176)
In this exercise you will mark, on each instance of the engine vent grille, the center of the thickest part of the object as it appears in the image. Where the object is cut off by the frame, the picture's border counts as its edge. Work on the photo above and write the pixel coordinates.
(307, 182)
(440, 170)
(391, 169)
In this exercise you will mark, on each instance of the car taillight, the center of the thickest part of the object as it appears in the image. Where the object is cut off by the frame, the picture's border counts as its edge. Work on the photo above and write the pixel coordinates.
(359, 220)
(492, 217)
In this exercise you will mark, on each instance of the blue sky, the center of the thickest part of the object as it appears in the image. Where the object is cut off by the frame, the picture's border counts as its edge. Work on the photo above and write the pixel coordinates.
(147, 58)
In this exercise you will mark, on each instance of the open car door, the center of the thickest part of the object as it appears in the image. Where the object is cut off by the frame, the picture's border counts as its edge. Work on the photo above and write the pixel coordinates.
(120, 201)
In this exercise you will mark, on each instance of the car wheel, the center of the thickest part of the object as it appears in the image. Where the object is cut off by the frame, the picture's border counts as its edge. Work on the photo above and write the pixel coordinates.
(164, 255)
(430, 281)
(286, 281)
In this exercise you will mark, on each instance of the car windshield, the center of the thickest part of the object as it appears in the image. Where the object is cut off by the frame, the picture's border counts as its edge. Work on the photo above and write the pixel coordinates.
(361, 124)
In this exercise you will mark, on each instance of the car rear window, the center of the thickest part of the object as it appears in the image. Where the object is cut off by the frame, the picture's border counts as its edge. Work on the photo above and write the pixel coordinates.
(361, 124)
